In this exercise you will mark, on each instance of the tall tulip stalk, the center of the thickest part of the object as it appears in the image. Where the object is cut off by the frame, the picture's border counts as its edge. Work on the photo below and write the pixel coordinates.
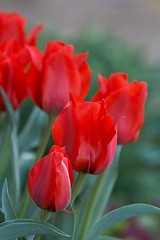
(45, 195)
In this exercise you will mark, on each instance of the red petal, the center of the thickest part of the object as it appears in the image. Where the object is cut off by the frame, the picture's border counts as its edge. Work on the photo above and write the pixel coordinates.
(32, 35)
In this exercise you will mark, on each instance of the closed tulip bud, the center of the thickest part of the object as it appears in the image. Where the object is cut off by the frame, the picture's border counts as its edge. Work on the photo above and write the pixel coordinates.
(50, 179)
(125, 102)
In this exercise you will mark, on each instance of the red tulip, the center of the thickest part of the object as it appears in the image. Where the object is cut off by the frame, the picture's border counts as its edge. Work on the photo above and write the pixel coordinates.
(13, 76)
(125, 102)
(50, 179)
(12, 27)
(88, 134)
(57, 73)
(14, 57)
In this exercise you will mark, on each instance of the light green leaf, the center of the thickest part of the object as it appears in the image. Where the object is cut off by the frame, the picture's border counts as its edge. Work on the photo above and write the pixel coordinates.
(30, 135)
(120, 214)
(64, 221)
(24, 227)
(14, 145)
(7, 207)
(99, 195)
(105, 184)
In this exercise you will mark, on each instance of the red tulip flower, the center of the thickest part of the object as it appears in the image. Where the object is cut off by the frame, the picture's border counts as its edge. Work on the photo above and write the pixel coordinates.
(57, 73)
(125, 102)
(12, 27)
(13, 75)
(88, 134)
(14, 57)
(50, 179)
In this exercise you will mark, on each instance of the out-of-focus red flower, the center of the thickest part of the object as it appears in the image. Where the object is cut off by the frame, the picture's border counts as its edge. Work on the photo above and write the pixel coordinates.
(88, 134)
(13, 73)
(57, 73)
(14, 57)
(125, 102)
(12, 27)
(50, 179)
(135, 230)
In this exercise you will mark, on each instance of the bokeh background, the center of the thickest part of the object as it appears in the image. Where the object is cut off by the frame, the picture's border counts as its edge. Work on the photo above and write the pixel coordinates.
(120, 35)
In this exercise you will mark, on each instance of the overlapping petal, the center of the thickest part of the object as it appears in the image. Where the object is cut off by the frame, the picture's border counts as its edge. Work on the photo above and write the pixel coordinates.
(125, 102)
(88, 134)
(50, 179)
(62, 72)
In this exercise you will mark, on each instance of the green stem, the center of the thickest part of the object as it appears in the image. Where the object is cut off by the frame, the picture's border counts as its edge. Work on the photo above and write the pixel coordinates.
(98, 188)
(44, 217)
(77, 185)
(91, 205)
(40, 152)
(45, 138)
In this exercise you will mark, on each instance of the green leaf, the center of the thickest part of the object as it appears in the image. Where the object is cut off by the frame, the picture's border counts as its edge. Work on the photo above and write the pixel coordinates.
(99, 195)
(31, 133)
(7, 207)
(14, 145)
(9, 108)
(105, 184)
(24, 227)
(64, 221)
(120, 214)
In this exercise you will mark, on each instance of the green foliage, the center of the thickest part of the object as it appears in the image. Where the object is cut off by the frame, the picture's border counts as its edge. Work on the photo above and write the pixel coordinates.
(64, 221)
(24, 227)
(7, 207)
(113, 217)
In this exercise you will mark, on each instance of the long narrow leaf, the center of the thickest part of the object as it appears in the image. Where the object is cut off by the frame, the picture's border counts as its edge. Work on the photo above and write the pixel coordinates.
(7, 207)
(99, 195)
(14, 145)
(23, 227)
(118, 215)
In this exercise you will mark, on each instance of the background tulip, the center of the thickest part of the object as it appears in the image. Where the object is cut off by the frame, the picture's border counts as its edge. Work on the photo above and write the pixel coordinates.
(88, 134)
(125, 102)
(50, 179)
(13, 76)
(12, 27)
(57, 73)
(14, 57)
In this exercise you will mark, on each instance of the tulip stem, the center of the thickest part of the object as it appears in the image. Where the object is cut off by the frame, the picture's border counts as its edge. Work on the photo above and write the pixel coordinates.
(77, 185)
(100, 186)
(39, 155)
(45, 138)
(44, 217)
